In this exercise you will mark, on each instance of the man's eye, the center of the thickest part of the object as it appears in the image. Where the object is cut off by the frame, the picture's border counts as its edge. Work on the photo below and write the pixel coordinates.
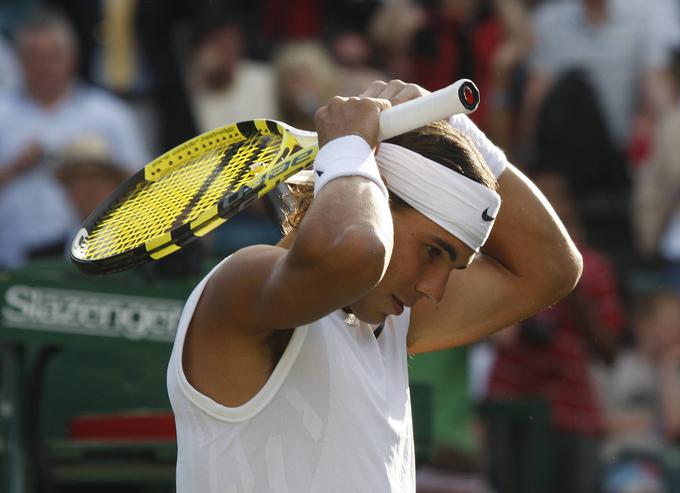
(433, 252)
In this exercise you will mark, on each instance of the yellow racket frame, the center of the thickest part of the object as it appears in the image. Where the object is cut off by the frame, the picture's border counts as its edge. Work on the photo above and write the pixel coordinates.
(186, 193)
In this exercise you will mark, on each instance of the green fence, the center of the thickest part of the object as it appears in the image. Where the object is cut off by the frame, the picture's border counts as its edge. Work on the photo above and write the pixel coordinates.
(72, 344)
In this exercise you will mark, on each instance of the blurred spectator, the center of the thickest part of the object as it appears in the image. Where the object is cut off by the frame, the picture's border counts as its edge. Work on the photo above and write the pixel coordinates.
(505, 75)
(50, 110)
(9, 72)
(481, 40)
(110, 53)
(547, 358)
(131, 48)
(354, 54)
(656, 206)
(598, 73)
(307, 78)
(436, 44)
(89, 173)
(392, 30)
(597, 177)
(614, 43)
(640, 394)
(224, 86)
(571, 108)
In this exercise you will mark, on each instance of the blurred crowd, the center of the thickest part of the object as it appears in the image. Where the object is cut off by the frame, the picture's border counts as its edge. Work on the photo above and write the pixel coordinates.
(583, 95)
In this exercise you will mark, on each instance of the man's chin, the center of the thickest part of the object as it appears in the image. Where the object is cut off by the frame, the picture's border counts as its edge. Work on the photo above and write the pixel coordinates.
(373, 319)
(367, 313)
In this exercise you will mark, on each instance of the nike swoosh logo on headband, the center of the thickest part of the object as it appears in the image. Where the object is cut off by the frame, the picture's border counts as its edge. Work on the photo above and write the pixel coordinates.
(486, 216)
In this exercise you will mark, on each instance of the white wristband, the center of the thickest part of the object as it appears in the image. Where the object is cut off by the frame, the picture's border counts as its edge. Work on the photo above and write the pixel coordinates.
(349, 155)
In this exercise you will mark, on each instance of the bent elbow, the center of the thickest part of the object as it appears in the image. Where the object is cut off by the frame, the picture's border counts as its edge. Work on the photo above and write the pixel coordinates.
(574, 270)
(566, 272)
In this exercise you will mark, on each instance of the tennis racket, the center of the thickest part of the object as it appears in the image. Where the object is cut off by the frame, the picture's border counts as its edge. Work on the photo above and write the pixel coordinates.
(192, 189)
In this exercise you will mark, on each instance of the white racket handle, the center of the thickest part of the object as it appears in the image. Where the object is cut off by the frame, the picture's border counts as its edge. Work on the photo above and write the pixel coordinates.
(460, 97)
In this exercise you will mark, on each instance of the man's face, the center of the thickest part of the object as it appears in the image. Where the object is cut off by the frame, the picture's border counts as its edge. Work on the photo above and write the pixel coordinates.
(48, 61)
(218, 56)
(423, 257)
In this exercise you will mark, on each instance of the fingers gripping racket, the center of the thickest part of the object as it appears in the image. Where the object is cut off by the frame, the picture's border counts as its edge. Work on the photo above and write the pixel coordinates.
(193, 188)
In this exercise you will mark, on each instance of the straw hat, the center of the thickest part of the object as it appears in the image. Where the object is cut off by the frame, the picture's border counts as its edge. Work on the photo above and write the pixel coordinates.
(88, 155)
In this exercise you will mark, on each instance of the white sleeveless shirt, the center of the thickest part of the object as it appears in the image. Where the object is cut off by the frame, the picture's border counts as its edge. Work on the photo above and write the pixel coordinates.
(334, 416)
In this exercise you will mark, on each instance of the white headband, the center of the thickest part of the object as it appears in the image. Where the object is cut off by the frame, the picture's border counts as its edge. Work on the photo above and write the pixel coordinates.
(463, 207)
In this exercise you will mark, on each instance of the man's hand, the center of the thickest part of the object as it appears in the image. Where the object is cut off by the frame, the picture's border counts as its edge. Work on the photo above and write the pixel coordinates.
(359, 115)
(27, 159)
(396, 91)
(350, 116)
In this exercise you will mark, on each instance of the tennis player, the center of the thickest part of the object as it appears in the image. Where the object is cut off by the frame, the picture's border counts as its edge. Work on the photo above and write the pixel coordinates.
(289, 371)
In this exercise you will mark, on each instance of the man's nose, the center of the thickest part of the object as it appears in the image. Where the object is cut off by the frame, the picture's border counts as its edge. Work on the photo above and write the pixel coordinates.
(433, 285)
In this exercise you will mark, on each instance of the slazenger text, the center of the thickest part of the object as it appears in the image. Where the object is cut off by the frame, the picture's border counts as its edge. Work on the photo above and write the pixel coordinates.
(98, 314)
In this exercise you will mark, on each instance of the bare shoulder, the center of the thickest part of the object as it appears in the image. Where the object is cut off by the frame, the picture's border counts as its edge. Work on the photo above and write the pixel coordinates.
(226, 355)
(231, 298)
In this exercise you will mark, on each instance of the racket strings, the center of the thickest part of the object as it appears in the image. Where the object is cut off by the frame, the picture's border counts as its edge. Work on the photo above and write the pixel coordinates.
(230, 153)
(244, 165)
(153, 208)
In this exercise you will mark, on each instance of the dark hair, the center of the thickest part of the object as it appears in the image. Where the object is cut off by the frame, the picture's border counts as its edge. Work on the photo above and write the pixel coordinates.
(437, 141)
(572, 108)
(214, 17)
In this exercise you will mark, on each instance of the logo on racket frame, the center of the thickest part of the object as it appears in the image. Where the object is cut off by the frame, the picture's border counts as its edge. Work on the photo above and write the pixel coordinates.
(282, 170)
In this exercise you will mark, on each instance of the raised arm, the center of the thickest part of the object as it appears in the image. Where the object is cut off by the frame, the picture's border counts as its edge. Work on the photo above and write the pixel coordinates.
(528, 263)
(340, 250)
